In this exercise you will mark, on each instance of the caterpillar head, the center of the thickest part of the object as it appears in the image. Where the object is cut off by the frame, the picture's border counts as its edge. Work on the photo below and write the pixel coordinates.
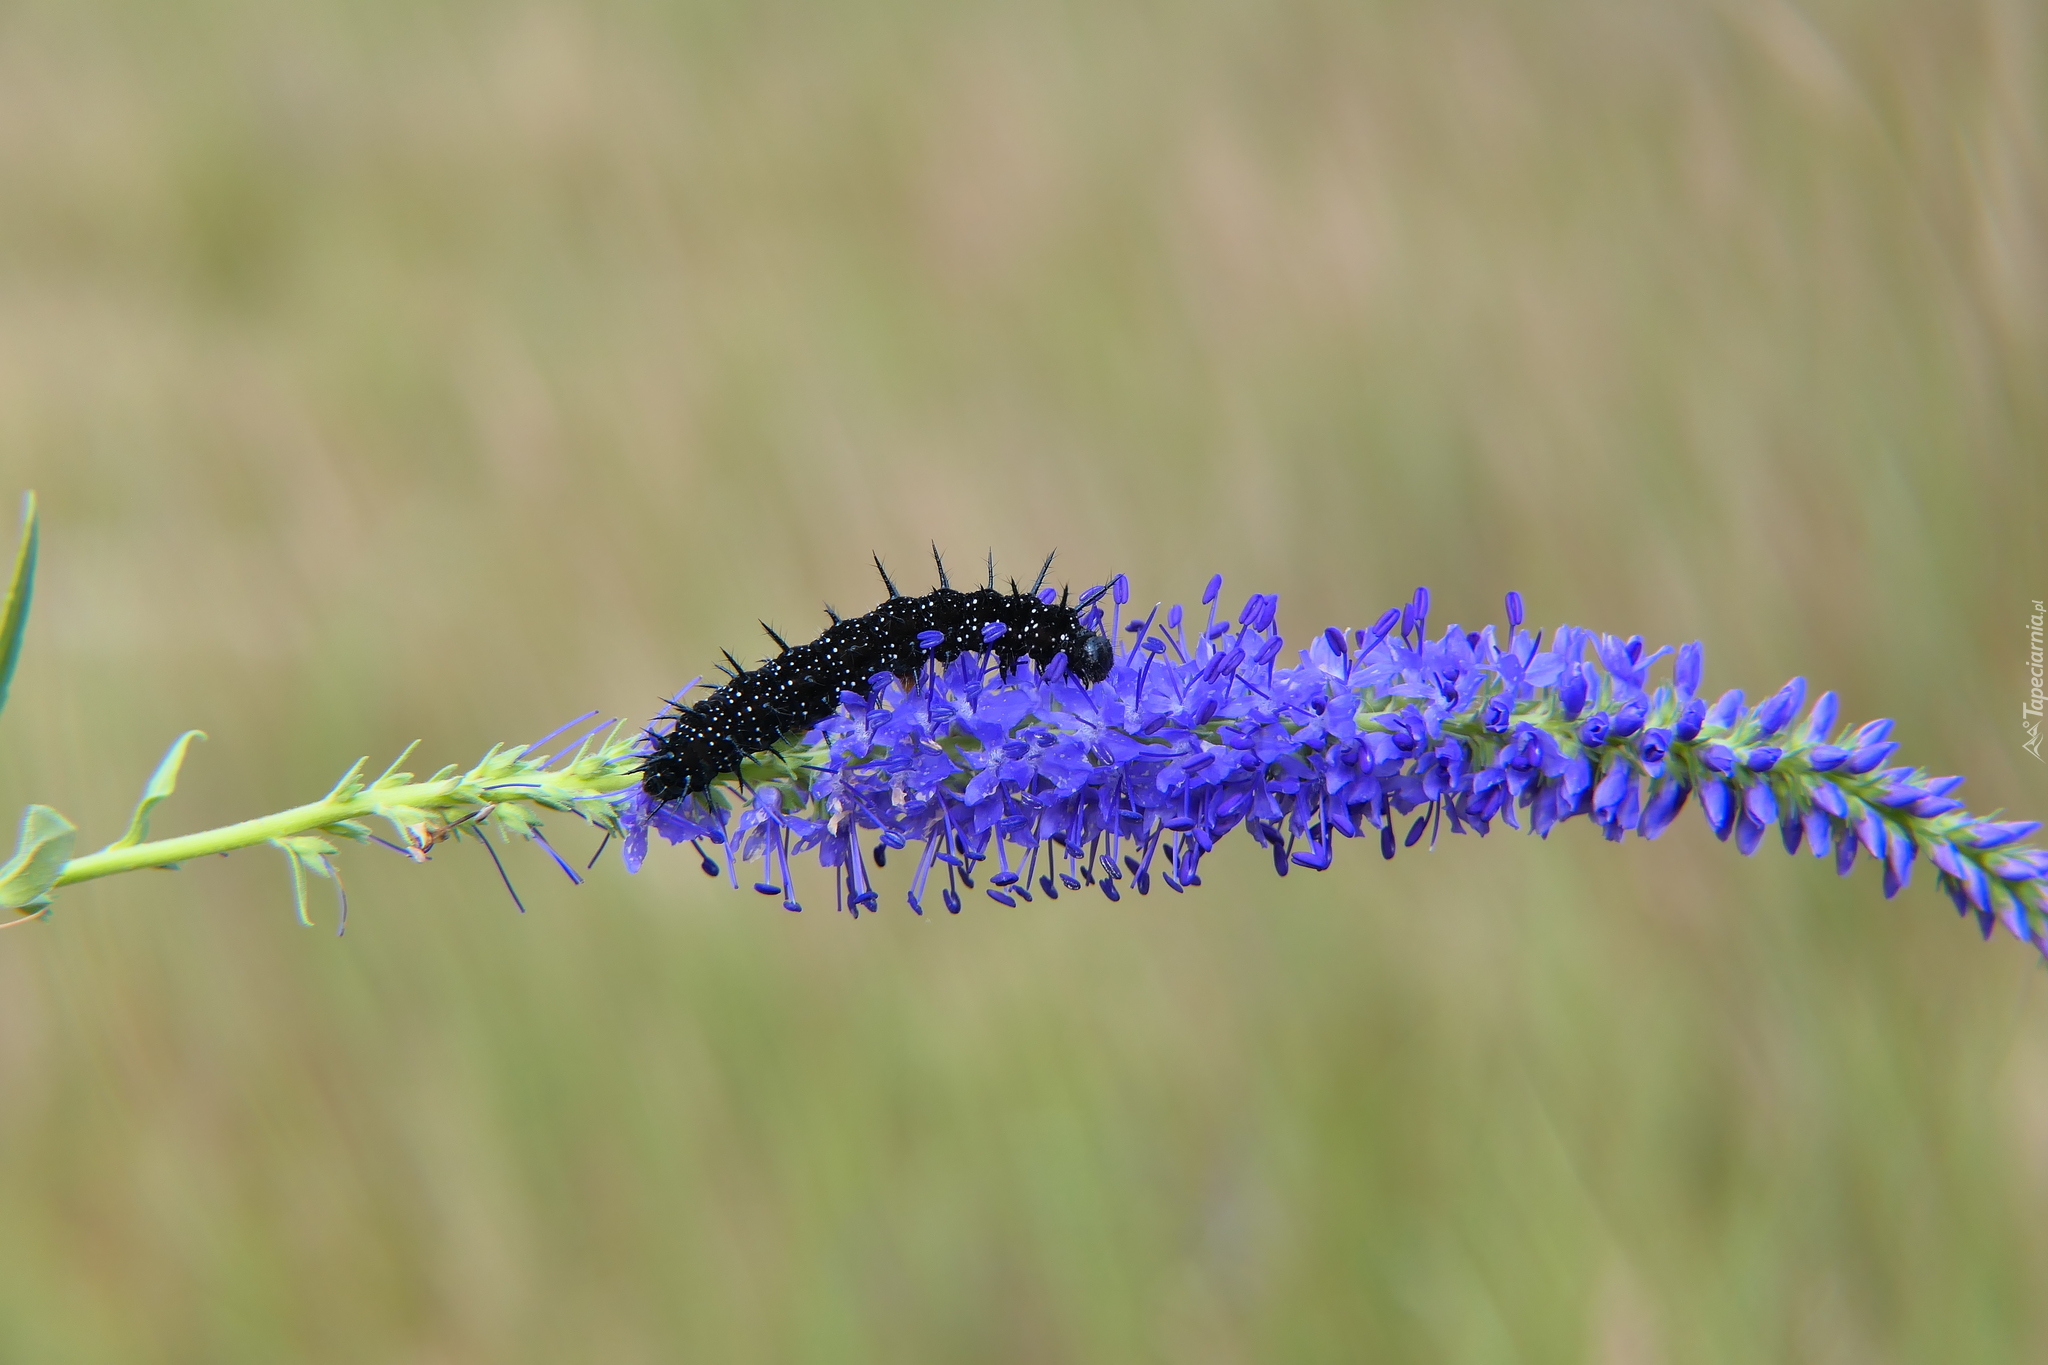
(1089, 655)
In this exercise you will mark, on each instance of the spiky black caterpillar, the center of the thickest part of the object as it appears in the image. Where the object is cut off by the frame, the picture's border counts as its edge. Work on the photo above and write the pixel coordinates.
(800, 686)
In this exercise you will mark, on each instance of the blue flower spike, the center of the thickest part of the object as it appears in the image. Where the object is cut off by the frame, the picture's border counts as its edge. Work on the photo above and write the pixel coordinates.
(1382, 733)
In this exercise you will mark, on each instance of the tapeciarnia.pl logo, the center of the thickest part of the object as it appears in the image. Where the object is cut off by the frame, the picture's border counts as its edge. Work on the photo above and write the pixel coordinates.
(2030, 714)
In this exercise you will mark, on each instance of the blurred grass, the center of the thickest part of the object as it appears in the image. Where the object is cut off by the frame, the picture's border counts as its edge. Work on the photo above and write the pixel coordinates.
(394, 370)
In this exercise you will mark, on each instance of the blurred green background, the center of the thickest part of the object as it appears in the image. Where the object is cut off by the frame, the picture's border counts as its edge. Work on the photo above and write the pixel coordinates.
(396, 370)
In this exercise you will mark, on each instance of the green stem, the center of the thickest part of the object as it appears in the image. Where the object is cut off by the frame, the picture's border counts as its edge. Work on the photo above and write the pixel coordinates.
(250, 833)
(420, 812)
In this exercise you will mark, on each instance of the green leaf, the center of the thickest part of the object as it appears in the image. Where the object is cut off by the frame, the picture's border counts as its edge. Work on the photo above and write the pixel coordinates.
(311, 847)
(391, 775)
(162, 783)
(513, 821)
(299, 888)
(306, 853)
(40, 854)
(14, 615)
(350, 783)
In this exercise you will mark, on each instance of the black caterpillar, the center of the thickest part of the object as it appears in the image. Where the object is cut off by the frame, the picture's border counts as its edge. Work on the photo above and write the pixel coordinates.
(800, 687)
